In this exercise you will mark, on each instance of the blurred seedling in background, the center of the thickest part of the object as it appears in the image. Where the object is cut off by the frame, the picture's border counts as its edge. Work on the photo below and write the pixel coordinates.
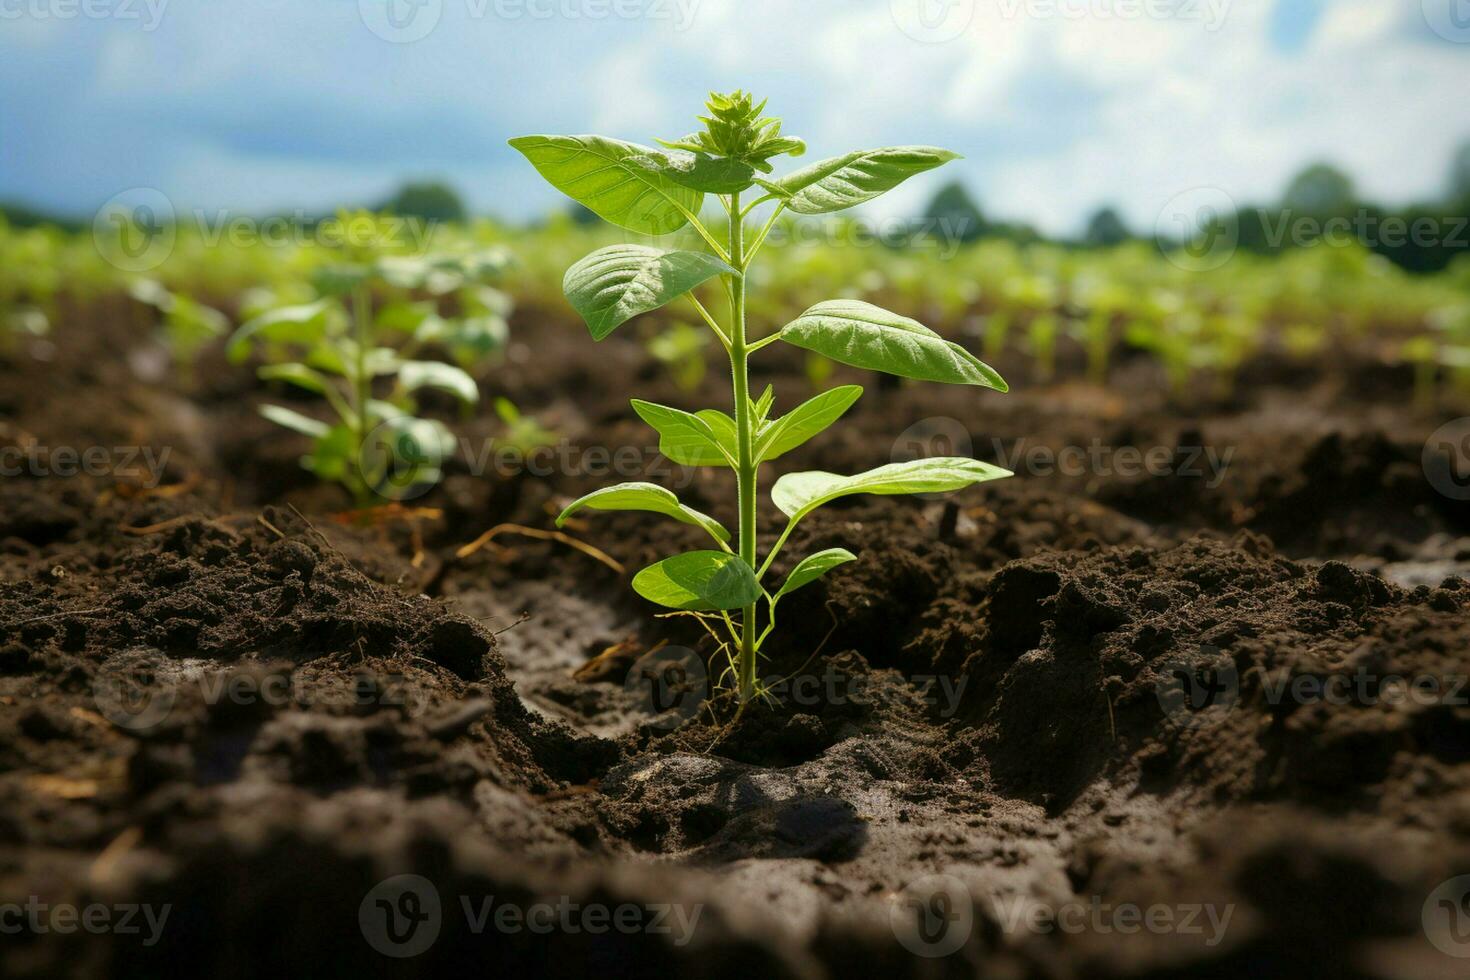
(1444, 351)
(30, 278)
(1032, 300)
(186, 325)
(374, 319)
(995, 330)
(818, 369)
(1041, 332)
(1103, 301)
(1163, 327)
(660, 191)
(17, 322)
(521, 432)
(1303, 340)
(1228, 339)
(680, 349)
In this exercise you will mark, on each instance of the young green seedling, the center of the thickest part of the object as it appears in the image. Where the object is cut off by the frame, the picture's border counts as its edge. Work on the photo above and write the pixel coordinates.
(30, 276)
(187, 324)
(1042, 332)
(22, 321)
(997, 330)
(521, 432)
(337, 346)
(680, 349)
(817, 369)
(1103, 300)
(655, 192)
(1452, 326)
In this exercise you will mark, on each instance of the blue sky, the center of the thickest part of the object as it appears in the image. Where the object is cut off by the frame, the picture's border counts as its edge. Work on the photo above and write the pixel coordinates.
(1059, 106)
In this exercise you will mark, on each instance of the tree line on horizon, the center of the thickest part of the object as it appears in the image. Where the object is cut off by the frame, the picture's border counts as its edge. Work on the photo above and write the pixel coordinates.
(1320, 202)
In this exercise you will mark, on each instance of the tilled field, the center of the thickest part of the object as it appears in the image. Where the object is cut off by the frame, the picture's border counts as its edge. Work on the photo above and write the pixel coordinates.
(1184, 698)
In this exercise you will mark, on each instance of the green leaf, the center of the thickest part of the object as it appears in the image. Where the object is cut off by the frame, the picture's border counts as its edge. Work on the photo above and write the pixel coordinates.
(842, 182)
(604, 175)
(151, 292)
(477, 337)
(804, 421)
(470, 340)
(338, 280)
(485, 263)
(382, 361)
(190, 324)
(416, 272)
(474, 335)
(486, 300)
(699, 581)
(466, 268)
(405, 317)
(303, 324)
(334, 455)
(297, 374)
(506, 409)
(404, 454)
(644, 496)
(382, 411)
(866, 336)
(813, 567)
(798, 494)
(762, 406)
(440, 273)
(725, 432)
(685, 438)
(702, 172)
(419, 442)
(295, 421)
(432, 328)
(773, 187)
(327, 357)
(414, 375)
(616, 283)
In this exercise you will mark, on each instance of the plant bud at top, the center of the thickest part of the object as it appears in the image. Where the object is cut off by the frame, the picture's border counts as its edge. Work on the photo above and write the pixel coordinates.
(736, 129)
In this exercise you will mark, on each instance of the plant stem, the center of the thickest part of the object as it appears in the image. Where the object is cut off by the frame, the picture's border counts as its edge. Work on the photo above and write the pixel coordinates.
(710, 320)
(1098, 340)
(745, 459)
(362, 387)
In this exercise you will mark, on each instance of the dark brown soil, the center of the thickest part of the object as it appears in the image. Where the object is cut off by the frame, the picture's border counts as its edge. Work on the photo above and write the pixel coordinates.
(220, 700)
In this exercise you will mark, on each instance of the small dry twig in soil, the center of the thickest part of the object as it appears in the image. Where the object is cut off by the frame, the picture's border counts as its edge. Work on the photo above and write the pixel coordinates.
(466, 550)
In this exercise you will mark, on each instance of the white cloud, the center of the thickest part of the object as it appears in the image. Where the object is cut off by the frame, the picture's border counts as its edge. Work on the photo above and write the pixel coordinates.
(1055, 114)
(627, 100)
(1352, 23)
